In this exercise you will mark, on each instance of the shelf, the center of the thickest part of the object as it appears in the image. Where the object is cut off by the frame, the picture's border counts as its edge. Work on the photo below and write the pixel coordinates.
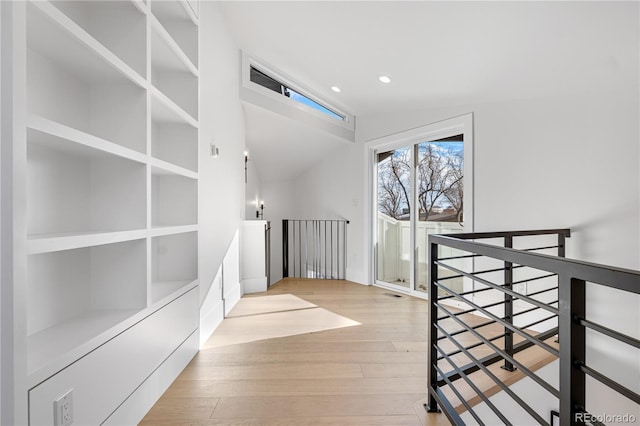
(174, 200)
(165, 52)
(65, 138)
(75, 189)
(174, 143)
(166, 290)
(47, 243)
(160, 167)
(104, 20)
(160, 231)
(164, 110)
(177, 19)
(173, 263)
(78, 83)
(48, 346)
(172, 72)
(57, 36)
(74, 295)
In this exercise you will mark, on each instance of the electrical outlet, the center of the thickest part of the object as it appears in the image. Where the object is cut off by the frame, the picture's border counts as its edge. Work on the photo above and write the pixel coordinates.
(63, 410)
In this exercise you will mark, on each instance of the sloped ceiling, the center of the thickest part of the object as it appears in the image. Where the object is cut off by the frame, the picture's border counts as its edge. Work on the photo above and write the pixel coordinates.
(437, 54)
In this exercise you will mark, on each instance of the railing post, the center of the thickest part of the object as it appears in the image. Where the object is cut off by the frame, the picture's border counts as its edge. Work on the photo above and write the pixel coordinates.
(508, 307)
(561, 244)
(572, 349)
(432, 406)
(285, 248)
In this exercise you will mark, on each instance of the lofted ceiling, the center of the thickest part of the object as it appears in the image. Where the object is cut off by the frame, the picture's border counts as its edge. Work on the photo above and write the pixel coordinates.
(436, 53)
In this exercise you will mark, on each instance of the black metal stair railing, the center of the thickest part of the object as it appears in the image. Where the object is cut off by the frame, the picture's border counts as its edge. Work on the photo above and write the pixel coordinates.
(314, 248)
(531, 293)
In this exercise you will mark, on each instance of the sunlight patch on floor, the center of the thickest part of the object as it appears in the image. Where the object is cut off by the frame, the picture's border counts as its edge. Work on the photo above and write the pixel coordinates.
(268, 304)
(268, 317)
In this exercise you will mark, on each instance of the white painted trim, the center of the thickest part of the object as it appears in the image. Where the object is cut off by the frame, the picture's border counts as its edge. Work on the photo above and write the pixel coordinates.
(232, 299)
(272, 101)
(254, 285)
(211, 308)
(210, 320)
(136, 406)
(434, 131)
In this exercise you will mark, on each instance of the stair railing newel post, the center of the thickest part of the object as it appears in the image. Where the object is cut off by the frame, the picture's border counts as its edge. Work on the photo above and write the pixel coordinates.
(508, 307)
(572, 296)
(432, 405)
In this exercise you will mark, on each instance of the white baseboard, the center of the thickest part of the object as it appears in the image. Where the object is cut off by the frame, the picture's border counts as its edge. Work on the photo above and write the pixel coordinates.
(232, 297)
(209, 321)
(138, 404)
(254, 285)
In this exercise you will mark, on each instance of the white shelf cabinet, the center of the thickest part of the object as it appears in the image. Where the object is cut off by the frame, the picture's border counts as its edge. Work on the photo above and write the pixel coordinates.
(101, 18)
(174, 263)
(105, 182)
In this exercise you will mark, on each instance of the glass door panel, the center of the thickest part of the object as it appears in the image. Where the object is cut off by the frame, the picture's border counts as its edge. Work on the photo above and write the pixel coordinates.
(439, 199)
(393, 254)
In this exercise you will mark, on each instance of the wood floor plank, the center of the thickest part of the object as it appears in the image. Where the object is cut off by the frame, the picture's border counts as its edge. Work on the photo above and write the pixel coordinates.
(288, 387)
(316, 406)
(273, 371)
(276, 361)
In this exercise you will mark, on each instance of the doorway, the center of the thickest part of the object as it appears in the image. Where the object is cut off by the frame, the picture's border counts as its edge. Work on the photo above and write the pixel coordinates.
(422, 185)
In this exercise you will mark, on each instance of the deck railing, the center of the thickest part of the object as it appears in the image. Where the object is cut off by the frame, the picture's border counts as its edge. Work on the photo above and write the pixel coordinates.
(314, 248)
(533, 294)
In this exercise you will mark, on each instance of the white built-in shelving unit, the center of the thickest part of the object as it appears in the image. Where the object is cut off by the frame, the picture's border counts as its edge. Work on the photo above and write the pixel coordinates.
(110, 188)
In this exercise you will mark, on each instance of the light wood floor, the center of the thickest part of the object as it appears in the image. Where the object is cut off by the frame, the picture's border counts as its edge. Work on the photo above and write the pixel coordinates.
(308, 352)
(322, 353)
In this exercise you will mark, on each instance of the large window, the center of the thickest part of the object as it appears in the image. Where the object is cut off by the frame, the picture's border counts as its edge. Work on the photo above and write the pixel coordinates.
(422, 186)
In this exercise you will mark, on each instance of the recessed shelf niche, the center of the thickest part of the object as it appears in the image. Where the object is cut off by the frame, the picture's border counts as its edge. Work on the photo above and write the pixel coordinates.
(105, 21)
(73, 189)
(69, 83)
(173, 263)
(74, 295)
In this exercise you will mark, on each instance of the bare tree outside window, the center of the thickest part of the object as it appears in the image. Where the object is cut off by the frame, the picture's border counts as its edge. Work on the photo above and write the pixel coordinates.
(440, 170)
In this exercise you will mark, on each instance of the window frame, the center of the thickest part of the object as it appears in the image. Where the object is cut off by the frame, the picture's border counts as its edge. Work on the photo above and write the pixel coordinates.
(457, 125)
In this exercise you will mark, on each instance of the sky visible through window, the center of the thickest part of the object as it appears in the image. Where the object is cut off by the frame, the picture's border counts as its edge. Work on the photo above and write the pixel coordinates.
(309, 102)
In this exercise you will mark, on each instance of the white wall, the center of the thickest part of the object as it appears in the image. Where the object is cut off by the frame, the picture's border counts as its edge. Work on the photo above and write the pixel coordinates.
(221, 191)
(568, 161)
(335, 188)
(279, 203)
(253, 193)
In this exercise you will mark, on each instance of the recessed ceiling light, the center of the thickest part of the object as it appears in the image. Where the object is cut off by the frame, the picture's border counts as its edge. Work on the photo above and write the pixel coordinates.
(336, 89)
(384, 79)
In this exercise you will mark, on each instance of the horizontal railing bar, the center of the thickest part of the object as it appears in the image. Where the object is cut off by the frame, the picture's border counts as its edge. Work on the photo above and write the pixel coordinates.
(622, 390)
(535, 293)
(486, 271)
(468, 311)
(508, 357)
(540, 248)
(448, 410)
(611, 333)
(317, 220)
(539, 321)
(492, 359)
(608, 276)
(498, 382)
(451, 277)
(507, 291)
(465, 256)
(526, 311)
(504, 323)
(475, 345)
(475, 327)
(480, 235)
(472, 386)
(534, 279)
(464, 293)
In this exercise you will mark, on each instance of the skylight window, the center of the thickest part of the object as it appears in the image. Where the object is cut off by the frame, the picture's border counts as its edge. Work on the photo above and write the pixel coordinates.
(271, 83)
